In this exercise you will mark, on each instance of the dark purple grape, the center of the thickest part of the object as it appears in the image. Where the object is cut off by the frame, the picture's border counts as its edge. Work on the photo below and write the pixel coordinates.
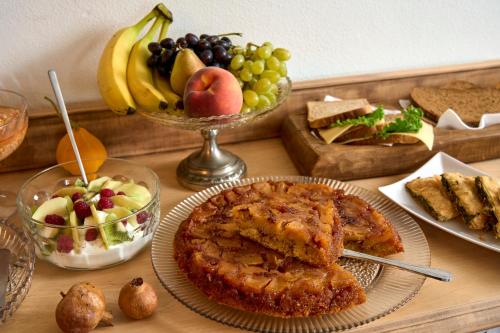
(192, 40)
(203, 44)
(166, 58)
(206, 56)
(154, 47)
(224, 44)
(204, 36)
(226, 39)
(167, 43)
(217, 64)
(213, 40)
(182, 43)
(226, 60)
(219, 52)
(154, 60)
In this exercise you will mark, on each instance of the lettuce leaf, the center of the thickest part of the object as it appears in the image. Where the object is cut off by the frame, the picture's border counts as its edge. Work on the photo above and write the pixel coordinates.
(411, 121)
(369, 120)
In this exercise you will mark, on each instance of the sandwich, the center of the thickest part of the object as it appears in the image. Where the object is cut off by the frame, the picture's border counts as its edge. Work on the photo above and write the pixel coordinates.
(355, 122)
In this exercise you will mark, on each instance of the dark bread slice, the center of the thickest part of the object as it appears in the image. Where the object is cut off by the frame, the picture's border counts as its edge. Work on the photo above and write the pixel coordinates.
(470, 102)
(322, 114)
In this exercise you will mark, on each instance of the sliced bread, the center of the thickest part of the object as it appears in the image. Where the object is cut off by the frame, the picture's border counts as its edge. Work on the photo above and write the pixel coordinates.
(322, 114)
(469, 101)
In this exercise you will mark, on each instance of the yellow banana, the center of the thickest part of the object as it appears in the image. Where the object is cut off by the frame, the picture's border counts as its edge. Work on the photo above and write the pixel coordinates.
(112, 70)
(140, 76)
(174, 100)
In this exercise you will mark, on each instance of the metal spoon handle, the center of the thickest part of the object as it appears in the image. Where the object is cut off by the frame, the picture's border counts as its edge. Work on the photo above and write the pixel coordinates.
(434, 273)
(67, 124)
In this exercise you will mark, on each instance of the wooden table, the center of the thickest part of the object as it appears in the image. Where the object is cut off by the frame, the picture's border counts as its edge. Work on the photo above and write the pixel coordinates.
(469, 303)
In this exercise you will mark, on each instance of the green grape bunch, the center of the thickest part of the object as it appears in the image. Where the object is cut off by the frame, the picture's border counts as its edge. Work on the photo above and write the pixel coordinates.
(258, 69)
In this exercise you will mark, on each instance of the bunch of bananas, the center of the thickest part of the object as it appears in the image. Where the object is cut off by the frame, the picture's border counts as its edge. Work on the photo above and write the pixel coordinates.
(125, 81)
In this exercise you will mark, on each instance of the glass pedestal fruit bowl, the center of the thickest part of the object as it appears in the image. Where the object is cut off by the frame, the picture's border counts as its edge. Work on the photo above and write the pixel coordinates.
(102, 224)
(212, 165)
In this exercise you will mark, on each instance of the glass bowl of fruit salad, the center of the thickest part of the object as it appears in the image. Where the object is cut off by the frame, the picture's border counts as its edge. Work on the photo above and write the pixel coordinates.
(90, 226)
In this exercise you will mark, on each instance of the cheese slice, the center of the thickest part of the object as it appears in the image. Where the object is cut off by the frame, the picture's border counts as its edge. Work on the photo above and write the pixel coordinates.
(330, 134)
(425, 134)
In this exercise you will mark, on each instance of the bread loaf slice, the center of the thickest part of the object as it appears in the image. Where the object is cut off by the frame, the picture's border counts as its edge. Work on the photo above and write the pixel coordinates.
(470, 102)
(322, 114)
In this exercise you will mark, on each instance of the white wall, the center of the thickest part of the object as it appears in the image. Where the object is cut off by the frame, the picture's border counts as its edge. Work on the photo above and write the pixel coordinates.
(327, 37)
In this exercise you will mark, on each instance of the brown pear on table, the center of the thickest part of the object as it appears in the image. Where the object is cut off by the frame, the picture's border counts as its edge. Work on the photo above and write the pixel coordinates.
(185, 65)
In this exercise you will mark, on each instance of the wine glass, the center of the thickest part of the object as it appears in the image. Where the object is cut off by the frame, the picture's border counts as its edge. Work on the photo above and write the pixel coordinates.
(13, 127)
(212, 165)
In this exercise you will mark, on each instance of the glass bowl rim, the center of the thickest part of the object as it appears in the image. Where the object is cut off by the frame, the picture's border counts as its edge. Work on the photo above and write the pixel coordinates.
(25, 218)
(207, 122)
(23, 104)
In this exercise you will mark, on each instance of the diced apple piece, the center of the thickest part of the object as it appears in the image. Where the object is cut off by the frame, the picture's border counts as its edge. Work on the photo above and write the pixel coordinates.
(70, 190)
(96, 184)
(69, 205)
(125, 201)
(112, 184)
(122, 212)
(48, 232)
(53, 206)
(137, 192)
(73, 222)
(99, 218)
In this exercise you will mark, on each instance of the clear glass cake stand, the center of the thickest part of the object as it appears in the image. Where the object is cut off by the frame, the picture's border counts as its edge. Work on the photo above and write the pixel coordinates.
(212, 165)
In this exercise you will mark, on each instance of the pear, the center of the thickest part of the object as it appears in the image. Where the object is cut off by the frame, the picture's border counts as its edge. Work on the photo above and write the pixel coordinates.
(185, 65)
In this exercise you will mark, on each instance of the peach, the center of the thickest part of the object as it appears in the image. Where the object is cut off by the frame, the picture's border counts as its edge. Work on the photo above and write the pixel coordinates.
(212, 91)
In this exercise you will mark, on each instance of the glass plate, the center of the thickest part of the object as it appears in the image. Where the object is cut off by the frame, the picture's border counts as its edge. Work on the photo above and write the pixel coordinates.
(387, 288)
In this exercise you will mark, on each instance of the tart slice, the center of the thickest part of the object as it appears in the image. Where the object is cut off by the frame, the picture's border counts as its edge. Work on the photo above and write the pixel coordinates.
(432, 195)
(489, 190)
(463, 192)
(365, 228)
(295, 225)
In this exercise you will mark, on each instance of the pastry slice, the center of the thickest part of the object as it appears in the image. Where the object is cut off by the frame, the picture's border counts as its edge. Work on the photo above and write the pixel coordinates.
(365, 228)
(291, 221)
(243, 274)
(432, 195)
(489, 190)
(463, 192)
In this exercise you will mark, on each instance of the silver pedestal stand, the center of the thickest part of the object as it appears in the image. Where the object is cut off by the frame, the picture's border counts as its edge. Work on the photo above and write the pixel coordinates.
(211, 165)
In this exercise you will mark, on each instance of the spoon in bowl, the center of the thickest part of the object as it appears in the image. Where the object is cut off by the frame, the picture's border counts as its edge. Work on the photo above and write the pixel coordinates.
(64, 113)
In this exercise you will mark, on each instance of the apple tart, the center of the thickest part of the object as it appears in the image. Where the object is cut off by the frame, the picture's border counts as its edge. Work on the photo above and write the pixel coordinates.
(271, 247)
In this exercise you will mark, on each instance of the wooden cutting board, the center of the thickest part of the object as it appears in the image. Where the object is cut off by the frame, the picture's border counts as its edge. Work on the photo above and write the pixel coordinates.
(344, 162)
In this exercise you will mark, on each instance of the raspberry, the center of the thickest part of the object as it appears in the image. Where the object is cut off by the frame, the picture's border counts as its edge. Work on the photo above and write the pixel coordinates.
(64, 244)
(142, 217)
(82, 209)
(121, 193)
(91, 234)
(106, 193)
(124, 222)
(104, 203)
(55, 219)
(76, 196)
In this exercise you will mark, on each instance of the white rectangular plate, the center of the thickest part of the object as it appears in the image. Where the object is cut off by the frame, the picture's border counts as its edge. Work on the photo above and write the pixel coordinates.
(437, 165)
